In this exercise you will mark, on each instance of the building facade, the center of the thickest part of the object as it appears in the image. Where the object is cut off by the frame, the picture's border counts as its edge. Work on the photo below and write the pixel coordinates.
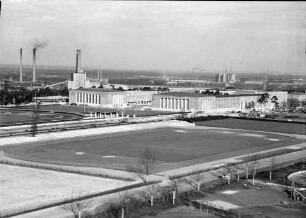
(110, 98)
(196, 102)
(182, 101)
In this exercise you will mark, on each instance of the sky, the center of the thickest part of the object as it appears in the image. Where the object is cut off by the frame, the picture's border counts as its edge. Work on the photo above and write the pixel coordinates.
(160, 35)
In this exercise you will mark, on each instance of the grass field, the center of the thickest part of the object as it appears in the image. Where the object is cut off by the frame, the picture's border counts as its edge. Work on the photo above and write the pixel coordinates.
(175, 147)
(269, 126)
(20, 117)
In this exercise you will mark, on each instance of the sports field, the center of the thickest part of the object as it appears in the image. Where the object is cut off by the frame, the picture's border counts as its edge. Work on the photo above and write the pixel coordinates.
(175, 147)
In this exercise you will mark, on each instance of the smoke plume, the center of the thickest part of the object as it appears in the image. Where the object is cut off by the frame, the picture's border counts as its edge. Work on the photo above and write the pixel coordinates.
(39, 43)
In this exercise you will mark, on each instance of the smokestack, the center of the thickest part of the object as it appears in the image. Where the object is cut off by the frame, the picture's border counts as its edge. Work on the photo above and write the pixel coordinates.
(21, 65)
(78, 61)
(34, 64)
(101, 76)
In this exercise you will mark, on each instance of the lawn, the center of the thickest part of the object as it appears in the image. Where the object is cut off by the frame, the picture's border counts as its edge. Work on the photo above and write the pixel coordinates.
(172, 146)
(19, 117)
(269, 126)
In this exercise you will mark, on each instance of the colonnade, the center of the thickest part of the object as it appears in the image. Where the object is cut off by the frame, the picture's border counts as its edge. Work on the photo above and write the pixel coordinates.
(88, 98)
(174, 103)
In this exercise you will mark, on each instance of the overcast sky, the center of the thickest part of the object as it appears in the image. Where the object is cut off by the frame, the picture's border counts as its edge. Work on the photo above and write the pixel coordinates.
(254, 36)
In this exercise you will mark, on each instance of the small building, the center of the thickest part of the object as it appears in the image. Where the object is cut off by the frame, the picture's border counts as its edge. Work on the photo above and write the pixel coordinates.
(51, 100)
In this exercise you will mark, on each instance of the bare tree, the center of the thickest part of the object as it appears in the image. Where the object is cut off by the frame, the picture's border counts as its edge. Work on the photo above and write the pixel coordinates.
(271, 167)
(124, 198)
(254, 162)
(246, 170)
(236, 170)
(35, 119)
(152, 190)
(228, 171)
(195, 179)
(77, 206)
(146, 165)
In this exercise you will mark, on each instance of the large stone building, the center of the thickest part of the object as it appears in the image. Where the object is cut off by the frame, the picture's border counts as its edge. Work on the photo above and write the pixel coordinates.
(195, 102)
(110, 98)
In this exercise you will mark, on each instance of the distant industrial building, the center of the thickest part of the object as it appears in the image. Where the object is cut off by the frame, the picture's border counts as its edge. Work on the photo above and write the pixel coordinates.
(13, 84)
(226, 77)
(79, 78)
(34, 84)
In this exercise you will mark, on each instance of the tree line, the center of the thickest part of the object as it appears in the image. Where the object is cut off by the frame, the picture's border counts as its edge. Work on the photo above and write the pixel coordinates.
(23, 96)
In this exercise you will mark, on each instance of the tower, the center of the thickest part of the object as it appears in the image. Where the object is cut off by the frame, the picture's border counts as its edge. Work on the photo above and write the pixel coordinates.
(21, 65)
(78, 61)
(34, 64)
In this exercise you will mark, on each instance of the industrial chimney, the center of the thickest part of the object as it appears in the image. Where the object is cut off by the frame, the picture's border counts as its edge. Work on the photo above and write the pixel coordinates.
(21, 65)
(34, 64)
(100, 76)
(78, 61)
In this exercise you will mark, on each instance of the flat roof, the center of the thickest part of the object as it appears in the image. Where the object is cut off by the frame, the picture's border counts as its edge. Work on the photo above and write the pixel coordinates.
(97, 90)
(296, 93)
(190, 94)
(236, 95)
(185, 94)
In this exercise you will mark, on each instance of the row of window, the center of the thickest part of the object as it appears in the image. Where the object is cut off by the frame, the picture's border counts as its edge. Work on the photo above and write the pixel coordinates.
(88, 98)
(173, 103)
